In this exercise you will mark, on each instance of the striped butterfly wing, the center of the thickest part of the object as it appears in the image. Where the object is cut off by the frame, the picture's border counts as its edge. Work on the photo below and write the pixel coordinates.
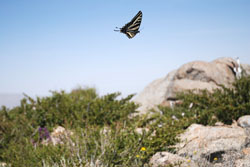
(132, 28)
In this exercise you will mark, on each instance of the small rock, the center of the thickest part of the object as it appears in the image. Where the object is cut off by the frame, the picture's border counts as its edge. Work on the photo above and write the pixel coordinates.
(219, 124)
(244, 121)
(59, 135)
(105, 131)
(3, 164)
(140, 130)
(162, 159)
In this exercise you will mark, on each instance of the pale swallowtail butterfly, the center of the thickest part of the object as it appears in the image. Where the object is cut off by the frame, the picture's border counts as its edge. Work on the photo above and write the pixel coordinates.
(132, 27)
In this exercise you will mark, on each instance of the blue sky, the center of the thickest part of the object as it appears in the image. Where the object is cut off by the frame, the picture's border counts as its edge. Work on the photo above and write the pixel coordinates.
(59, 45)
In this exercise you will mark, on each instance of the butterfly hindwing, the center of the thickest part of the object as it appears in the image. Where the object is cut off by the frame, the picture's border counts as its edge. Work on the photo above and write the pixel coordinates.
(130, 35)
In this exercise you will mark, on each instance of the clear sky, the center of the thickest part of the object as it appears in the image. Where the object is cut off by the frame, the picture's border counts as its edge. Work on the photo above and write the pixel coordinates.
(61, 44)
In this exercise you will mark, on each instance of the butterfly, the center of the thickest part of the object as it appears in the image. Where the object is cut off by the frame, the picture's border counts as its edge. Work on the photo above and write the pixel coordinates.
(132, 27)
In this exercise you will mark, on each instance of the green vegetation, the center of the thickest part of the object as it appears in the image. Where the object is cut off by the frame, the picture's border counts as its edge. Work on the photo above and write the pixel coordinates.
(104, 130)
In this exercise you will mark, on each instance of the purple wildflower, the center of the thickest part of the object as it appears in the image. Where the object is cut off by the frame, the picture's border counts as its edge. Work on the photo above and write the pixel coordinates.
(43, 133)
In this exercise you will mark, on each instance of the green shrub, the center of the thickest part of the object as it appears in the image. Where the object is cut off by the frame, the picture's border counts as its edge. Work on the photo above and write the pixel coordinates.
(80, 108)
(225, 104)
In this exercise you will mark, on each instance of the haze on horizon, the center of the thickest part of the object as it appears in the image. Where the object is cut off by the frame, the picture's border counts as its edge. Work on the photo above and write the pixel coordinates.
(60, 45)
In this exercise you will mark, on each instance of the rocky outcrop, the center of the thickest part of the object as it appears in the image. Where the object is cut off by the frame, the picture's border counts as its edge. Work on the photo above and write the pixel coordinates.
(156, 92)
(217, 146)
(193, 75)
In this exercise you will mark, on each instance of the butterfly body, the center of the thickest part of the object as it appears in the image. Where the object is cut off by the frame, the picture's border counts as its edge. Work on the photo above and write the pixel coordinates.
(132, 27)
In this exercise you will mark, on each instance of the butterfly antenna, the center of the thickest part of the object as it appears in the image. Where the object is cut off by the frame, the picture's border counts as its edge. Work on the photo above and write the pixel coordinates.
(117, 28)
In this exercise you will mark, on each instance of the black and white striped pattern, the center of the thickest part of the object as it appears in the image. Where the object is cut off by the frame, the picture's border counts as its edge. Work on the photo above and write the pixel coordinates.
(132, 28)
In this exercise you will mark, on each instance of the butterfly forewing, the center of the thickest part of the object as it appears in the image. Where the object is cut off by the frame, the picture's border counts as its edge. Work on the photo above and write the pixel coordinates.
(137, 19)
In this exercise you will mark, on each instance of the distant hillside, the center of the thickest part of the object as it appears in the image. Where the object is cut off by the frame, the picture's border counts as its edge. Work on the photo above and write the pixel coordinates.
(10, 100)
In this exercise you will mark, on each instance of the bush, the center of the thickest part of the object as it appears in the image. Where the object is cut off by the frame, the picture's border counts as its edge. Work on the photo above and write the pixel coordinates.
(224, 104)
(80, 108)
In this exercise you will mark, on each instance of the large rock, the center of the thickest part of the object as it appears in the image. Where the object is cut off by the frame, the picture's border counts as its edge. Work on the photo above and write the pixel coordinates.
(193, 75)
(210, 146)
(156, 92)
(209, 142)
(204, 75)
